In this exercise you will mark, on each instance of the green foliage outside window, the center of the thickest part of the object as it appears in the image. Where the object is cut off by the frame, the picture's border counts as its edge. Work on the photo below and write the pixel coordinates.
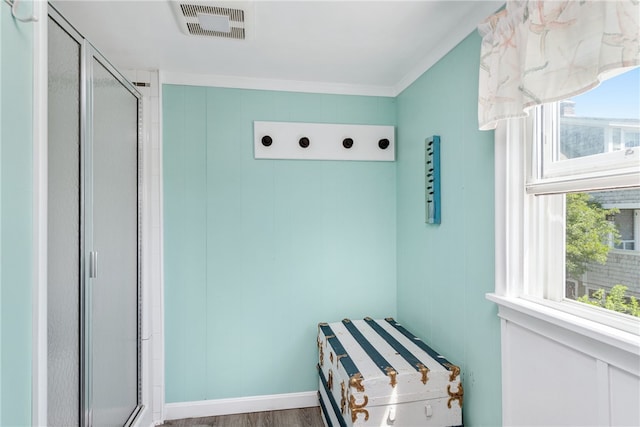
(615, 300)
(588, 233)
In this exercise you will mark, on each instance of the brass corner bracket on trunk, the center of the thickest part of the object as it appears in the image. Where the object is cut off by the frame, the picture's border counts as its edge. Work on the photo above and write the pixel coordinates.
(391, 373)
(356, 382)
(358, 409)
(454, 371)
(343, 397)
(424, 371)
(320, 325)
(327, 338)
(457, 395)
(321, 354)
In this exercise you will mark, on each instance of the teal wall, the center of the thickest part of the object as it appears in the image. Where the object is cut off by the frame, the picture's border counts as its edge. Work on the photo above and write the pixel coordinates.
(16, 78)
(257, 252)
(444, 271)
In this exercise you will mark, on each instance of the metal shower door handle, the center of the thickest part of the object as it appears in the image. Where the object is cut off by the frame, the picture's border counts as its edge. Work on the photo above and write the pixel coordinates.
(93, 264)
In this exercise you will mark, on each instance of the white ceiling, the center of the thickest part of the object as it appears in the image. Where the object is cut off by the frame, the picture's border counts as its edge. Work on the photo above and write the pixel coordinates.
(367, 46)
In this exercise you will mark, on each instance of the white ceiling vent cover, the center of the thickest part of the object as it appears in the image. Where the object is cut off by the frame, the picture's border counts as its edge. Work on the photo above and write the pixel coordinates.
(213, 19)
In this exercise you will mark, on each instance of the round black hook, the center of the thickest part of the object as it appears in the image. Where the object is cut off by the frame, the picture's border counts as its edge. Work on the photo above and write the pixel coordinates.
(304, 142)
(383, 143)
(267, 140)
(347, 143)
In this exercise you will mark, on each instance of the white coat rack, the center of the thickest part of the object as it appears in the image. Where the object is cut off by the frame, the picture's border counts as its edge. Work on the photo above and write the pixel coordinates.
(320, 141)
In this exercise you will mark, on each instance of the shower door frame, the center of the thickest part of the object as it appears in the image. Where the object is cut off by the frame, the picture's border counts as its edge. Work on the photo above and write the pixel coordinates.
(88, 53)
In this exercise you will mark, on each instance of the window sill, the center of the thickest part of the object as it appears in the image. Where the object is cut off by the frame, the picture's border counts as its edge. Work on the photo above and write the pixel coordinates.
(631, 252)
(611, 345)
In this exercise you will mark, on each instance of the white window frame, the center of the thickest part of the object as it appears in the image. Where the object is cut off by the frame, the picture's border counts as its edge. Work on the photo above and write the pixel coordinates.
(530, 251)
(615, 169)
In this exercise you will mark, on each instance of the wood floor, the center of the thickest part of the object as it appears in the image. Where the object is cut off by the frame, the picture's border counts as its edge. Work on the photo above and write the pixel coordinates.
(304, 417)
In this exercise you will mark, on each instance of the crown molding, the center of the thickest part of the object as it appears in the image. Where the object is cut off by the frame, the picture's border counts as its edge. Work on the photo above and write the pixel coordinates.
(212, 80)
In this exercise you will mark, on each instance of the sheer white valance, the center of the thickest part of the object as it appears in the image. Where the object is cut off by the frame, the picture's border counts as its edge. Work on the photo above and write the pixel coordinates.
(543, 51)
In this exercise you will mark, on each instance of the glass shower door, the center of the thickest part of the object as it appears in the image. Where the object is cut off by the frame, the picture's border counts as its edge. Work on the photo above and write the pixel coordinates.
(114, 271)
(63, 222)
(93, 359)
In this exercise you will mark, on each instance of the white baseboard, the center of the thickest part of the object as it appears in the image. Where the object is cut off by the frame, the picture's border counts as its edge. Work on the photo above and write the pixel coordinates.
(240, 405)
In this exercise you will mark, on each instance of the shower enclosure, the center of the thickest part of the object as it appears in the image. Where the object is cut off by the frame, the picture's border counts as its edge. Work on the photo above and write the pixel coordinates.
(93, 359)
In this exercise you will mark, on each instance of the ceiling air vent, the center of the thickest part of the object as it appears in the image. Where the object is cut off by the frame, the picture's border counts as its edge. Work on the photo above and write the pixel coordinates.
(212, 19)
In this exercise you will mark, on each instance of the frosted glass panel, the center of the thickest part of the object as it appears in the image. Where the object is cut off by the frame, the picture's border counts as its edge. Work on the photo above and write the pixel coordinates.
(63, 264)
(114, 305)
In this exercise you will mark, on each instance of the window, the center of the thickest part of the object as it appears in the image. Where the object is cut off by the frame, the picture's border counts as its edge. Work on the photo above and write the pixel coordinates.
(600, 259)
(626, 222)
(579, 214)
(589, 141)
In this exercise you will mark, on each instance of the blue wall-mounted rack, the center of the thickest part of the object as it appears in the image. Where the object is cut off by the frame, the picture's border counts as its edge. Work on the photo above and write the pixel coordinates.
(432, 179)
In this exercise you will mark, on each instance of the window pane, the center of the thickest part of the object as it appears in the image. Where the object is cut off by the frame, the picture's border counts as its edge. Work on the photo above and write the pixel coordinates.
(615, 138)
(603, 249)
(623, 221)
(631, 139)
(579, 140)
(596, 134)
(592, 123)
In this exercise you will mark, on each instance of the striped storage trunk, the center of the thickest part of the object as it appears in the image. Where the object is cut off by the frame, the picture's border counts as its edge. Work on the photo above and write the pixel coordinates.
(376, 373)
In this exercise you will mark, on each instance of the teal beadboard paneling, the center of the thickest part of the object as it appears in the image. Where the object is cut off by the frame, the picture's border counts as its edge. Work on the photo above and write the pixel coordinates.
(185, 183)
(444, 271)
(16, 192)
(257, 252)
